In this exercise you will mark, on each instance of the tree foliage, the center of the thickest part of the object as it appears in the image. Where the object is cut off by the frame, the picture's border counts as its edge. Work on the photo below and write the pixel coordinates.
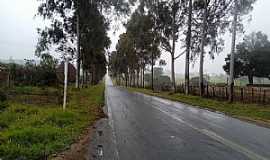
(136, 48)
(62, 33)
(252, 57)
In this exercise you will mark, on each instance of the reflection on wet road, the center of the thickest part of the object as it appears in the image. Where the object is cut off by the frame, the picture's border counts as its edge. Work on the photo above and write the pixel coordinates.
(150, 128)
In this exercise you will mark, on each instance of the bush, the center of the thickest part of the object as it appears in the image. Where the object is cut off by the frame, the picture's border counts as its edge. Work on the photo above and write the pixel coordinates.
(3, 96)
(3, 125)
(3, 106)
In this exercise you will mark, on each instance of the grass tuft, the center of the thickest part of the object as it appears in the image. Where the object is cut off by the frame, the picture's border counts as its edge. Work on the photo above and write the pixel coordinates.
(34, 132)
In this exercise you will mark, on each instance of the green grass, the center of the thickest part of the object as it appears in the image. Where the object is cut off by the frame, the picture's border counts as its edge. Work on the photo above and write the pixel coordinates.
(34, 132)
(240, 110)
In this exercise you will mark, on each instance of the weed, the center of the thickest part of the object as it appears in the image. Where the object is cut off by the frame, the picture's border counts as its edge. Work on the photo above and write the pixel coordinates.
(30, 132)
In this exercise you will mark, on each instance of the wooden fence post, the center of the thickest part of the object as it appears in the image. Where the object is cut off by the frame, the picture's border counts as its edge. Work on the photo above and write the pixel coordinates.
(264, 96)
(207, 91)
(252, 94)
(242, 94)
(226, 92)
(214, 92)
(260, 97)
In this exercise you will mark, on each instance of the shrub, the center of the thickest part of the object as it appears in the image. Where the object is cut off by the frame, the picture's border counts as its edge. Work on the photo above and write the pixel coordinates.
(3, 125)
(3, 96)
(3, 106)
(20, 110)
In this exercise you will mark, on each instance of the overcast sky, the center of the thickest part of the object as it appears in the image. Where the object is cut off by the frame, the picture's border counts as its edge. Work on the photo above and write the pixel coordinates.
(18, 35)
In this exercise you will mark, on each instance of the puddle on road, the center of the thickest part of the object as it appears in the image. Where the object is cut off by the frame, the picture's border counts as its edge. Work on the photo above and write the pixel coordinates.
(172, 137)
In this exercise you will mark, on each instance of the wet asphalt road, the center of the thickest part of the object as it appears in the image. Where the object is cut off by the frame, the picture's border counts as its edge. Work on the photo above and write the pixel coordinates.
(149, 128)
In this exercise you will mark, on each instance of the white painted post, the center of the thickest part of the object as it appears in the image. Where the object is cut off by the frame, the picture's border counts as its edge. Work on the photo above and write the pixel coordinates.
(65, 84)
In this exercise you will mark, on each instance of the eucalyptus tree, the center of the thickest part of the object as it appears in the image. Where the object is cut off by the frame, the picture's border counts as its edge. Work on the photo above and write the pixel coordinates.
(169, 21)
(126, 50)
(94, 43)
(64, 18)
(188, 45)
(210, 20)
(141, 28)
(240, 8)
(118, 66)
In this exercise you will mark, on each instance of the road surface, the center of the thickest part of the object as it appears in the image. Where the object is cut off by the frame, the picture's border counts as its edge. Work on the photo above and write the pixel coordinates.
(150, 128)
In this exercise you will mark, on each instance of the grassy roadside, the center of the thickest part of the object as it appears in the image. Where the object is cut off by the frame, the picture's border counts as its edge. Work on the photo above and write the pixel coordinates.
(250, 112)
(35, 132)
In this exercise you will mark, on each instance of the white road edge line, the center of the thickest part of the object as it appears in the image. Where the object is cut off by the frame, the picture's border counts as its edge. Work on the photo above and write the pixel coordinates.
(234, 146)
(111, 120)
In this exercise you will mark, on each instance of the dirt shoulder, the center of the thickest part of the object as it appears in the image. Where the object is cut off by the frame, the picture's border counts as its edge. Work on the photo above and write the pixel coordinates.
(79, 150)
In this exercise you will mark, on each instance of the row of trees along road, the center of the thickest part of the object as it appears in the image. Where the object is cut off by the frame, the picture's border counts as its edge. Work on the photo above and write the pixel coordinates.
(157, 25)
(78, 29)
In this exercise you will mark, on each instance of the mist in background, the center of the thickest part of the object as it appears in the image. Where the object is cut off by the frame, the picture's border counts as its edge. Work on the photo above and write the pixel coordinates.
(18, 34)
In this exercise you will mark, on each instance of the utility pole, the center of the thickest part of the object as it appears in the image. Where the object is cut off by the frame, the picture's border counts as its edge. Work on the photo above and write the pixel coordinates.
(78, 49)
(231, 79)
(65, 84)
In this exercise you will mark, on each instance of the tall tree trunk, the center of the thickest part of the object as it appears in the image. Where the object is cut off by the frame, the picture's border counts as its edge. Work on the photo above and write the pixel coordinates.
(134, 78)
(138, 77)
(152, 71)
(173, 74)
(83, 78)
(201, 79)
(188, 44)
(231, 79)
(118, 79)
(92, 77)
(173, 52)
(78, 50)
(143, 76)
(130, 79)
(126, 77)
(250, 79)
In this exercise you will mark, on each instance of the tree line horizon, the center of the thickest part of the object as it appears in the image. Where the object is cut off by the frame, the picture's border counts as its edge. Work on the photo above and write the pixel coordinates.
(80, 28)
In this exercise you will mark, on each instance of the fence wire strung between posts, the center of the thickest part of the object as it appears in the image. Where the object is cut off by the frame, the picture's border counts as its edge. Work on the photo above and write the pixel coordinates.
(247, 94)
(242, 94)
